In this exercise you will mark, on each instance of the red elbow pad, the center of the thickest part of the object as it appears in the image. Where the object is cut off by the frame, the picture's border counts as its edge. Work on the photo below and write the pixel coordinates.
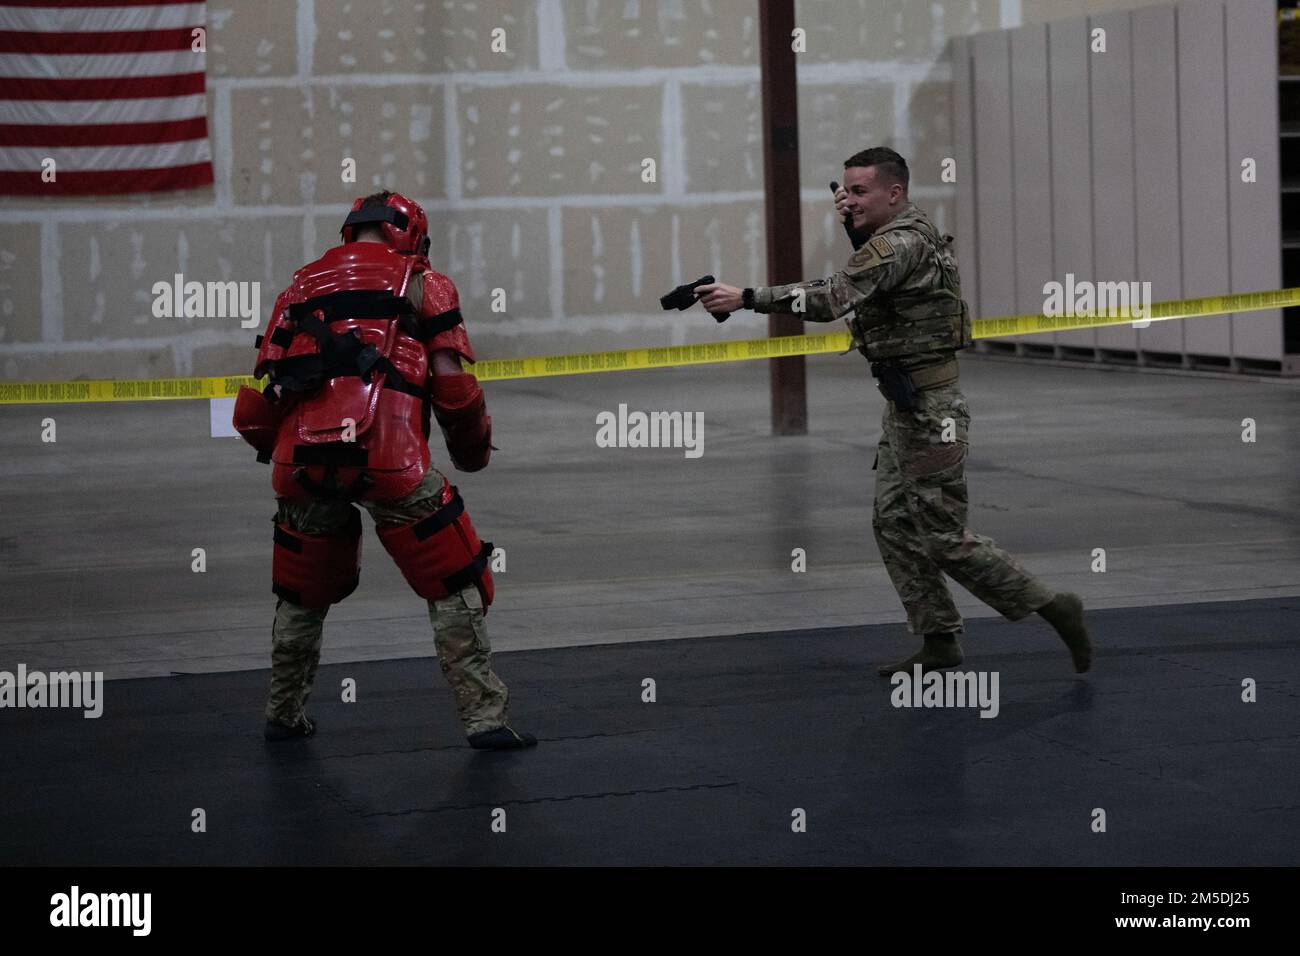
(257, 420)
(461, 410)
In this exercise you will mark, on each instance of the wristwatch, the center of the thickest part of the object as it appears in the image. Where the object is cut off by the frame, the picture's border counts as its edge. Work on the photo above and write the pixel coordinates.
(747, 299)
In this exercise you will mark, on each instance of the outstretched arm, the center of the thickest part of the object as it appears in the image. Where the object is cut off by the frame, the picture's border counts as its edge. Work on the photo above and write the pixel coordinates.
(880, 264)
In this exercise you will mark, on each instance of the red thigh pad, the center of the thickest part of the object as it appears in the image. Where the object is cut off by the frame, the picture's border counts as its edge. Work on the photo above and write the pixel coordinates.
(315, 570)
(441, 553)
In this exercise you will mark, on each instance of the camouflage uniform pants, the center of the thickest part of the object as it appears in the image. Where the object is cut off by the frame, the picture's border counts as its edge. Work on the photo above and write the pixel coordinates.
(459, 631)
(919, 520)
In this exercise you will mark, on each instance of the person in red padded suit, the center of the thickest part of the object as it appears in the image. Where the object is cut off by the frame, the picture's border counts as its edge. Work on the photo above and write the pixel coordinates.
(361, 348)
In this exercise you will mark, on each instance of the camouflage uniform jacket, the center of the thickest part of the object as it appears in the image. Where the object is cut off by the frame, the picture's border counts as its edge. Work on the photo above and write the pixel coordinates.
(902, 289)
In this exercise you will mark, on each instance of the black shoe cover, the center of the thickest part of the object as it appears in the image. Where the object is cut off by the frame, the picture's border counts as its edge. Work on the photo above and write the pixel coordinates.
(503, 738)
(275, 731)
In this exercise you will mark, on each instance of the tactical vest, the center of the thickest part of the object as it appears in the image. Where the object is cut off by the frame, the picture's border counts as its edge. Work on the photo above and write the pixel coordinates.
(891, 325)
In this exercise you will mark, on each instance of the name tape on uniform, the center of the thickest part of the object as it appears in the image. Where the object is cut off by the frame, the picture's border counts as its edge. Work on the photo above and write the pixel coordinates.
(627, 360)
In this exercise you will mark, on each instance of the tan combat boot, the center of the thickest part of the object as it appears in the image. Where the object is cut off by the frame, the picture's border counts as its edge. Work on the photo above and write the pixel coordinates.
(1065, 613)
(938, 651)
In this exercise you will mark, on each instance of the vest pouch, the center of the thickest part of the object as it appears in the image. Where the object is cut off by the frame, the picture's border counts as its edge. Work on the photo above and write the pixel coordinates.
(910, 336)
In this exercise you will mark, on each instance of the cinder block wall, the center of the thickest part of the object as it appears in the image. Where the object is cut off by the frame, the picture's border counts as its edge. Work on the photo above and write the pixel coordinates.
(528, 161)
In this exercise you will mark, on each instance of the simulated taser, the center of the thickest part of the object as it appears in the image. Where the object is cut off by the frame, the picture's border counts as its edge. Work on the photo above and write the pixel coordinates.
(346, 411)
(685, 296)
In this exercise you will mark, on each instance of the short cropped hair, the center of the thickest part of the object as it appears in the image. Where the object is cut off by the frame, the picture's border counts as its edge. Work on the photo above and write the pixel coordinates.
(374, 201)
(891, 165)
(379, 199)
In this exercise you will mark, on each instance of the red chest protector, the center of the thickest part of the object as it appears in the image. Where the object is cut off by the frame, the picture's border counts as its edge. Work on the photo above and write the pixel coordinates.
(347, 348)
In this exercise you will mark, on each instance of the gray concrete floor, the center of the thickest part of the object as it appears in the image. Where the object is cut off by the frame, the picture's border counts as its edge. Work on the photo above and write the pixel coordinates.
(616, 545)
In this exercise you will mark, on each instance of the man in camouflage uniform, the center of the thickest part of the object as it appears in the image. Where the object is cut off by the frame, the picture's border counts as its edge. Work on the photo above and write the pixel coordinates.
(903, 295)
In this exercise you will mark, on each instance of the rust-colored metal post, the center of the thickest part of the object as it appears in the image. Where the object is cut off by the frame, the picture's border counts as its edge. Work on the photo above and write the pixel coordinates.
(781, 179)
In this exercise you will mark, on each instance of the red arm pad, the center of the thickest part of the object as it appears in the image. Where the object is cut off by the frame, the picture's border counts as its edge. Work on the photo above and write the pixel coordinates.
(461, 410)
(455, 339)
(257, 421)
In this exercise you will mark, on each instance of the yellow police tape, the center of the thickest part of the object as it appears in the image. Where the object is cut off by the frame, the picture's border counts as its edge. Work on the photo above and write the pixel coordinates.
(626, 360)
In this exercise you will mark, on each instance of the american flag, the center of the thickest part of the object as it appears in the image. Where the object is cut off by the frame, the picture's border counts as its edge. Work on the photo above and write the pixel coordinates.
(111, 90)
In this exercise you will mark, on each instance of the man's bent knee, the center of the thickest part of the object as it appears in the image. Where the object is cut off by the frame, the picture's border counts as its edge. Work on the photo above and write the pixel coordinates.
(296, 628)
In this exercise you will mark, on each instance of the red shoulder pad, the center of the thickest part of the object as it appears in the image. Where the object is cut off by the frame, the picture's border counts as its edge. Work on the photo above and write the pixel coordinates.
(442, 305)
(440, 293)
(273, 343)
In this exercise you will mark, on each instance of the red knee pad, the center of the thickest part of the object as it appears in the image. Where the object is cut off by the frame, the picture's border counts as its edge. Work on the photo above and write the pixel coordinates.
(441, 554)
(314, 570)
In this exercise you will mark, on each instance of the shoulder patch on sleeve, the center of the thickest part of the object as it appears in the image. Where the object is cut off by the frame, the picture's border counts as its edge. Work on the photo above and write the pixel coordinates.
(881, 246)
(867, 258)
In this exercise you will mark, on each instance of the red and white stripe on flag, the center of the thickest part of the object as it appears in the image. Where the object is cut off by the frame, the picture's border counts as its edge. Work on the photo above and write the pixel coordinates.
(111, 90)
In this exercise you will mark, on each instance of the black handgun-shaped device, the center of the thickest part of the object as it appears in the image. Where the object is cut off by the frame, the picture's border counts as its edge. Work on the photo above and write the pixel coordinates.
(683, 297)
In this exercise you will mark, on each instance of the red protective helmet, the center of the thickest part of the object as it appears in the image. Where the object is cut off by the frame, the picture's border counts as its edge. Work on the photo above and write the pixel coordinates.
(401, 220)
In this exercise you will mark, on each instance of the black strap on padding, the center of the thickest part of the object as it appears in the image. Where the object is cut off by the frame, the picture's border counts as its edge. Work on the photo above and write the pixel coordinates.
(395, 381)
(281, 337)
(428, 527)
(349, 493)
(471, 573)
(432, 325)
(338, 355)
(287, 541)
(352, 304)
(305, 373)
(342, 453)
(301, 373)
(295, 597)
(363, 217)
(347, 354)
(290, 595)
